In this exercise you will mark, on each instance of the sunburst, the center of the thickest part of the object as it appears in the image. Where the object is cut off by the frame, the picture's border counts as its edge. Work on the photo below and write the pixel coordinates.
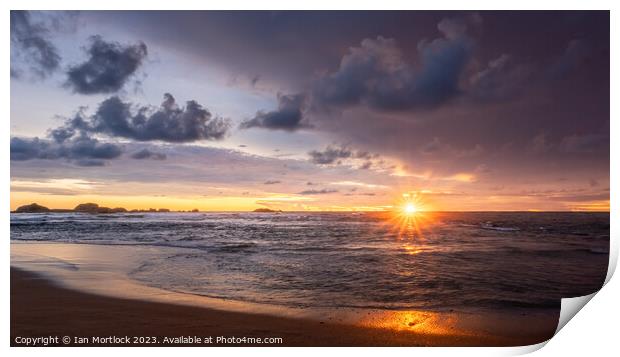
(409, 217)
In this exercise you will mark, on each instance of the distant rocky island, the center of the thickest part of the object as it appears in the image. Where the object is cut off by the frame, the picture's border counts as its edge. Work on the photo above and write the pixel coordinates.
(267, 210)
(31, 208)
(88, 208)
(95, 208)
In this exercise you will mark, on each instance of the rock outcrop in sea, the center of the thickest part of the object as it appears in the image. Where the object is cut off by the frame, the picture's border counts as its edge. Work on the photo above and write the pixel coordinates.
(32, 208)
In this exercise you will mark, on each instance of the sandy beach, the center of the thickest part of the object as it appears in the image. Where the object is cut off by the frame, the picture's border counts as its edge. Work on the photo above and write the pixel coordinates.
(41, 308)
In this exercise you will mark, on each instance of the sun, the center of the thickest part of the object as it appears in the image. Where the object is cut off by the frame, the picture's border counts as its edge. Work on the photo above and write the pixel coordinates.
(409, 216)
(409, 209)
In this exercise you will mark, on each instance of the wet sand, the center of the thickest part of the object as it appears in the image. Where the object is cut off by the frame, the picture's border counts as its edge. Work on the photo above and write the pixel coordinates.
(40, 307)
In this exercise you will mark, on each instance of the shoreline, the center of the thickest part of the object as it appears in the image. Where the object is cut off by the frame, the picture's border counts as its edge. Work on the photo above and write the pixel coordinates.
(41, 308)
(65, 289)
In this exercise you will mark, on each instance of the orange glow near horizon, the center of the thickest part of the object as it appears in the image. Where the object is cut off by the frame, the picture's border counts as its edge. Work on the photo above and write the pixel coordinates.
(409, 217)
(185, 203)
(138, 202)
(413, 206)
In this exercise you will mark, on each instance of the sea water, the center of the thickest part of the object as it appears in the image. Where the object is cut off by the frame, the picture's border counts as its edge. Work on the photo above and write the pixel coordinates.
(432, 261)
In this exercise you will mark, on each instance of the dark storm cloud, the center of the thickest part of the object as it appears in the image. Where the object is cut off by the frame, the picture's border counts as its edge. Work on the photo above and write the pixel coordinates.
(378, 75)
(81, 149)
(108, 67)
(289, 116)
(504, 76)
(27, 149)
(169, 122)
(317, 192)
(76, 125)
(287, 48)
(283, 48)
(114, 118)
(332, 154)
(30, 44)
(148, 154)
(505, 97)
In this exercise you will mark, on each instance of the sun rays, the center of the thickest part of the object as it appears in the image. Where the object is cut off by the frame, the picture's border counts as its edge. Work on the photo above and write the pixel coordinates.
(409, 217)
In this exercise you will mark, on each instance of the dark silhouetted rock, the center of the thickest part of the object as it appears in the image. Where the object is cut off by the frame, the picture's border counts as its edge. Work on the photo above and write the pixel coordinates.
(267, 210)
(32, 208)
(87, 207)
(95, 208)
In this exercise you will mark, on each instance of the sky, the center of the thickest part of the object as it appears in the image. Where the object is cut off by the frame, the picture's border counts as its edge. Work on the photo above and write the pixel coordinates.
(326, 110)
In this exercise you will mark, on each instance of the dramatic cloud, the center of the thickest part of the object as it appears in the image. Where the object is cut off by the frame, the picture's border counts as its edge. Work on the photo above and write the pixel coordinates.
(148, 154)
(30, 45)
(317, 192)
(169, 123)
(107, 68)
(114, 118)
(81, 149)
(376, 73)
(501, 79)
(26, 149)
(333, 154)
(289, 116)
(71, 142)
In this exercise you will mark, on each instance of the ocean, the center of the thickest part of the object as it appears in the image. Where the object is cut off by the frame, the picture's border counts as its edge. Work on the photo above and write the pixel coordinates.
(436, 261)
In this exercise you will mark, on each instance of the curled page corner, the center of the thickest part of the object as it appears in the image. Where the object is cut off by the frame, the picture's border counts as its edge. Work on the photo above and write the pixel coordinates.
(570, 308)
(523, 350)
